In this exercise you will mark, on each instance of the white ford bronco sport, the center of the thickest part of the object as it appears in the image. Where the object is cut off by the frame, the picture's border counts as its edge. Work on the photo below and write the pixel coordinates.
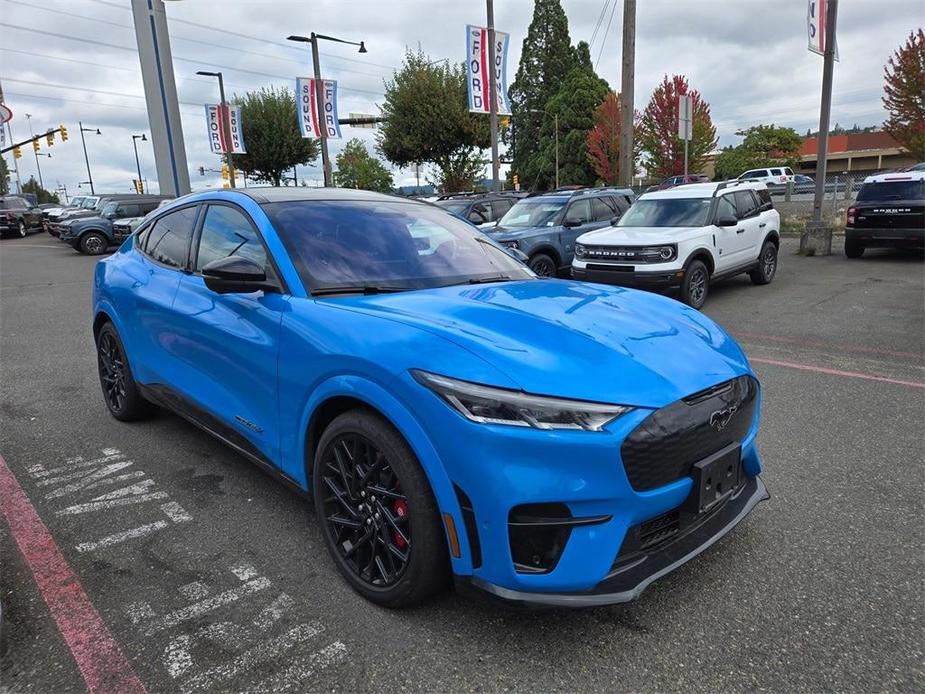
(686, 237)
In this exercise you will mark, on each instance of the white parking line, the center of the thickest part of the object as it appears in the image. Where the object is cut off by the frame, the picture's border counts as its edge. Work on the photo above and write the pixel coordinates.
(116, 538)
(296, 676)
(198, 609)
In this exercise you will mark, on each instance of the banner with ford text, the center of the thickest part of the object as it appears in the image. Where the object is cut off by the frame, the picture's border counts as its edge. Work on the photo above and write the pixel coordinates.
(816, 14)
(217, 133)
(477, 70)
(307, 96)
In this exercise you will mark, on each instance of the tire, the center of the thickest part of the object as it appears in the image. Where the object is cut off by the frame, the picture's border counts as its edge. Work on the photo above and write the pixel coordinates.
(93, 243)
(767, 264)
(696, 284)
(120, 392)
(399, 490)
(543, 265)
(21, 229)
(853, 249)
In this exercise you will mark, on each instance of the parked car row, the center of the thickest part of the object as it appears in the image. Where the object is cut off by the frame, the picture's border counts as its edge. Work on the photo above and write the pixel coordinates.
(18, 216)
(99, 222)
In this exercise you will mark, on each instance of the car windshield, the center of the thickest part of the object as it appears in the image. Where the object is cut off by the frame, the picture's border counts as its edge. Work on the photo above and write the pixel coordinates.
(892, 190)
(667, 212)
(109, 209)
(386, 246)
(532, 213)
(89, 203)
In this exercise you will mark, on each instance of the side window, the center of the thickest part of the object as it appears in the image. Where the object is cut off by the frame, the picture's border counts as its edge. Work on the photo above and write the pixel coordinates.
(124, 211)
(775, 172)
(725, 208)
(499, 208)
(168, 240)
(745, 203)
(764, 200)
(148, 207)
(479, 213)
(628, 201)
(579, 211)
(227, 232)
(602, 210)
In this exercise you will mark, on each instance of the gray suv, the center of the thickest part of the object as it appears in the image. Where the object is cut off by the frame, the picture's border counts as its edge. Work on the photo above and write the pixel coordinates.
(544, 227)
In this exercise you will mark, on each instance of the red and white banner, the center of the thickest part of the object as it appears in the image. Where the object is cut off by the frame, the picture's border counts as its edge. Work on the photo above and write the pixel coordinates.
(217, 132)
(306, 107)
(816, 17)
(477, 70)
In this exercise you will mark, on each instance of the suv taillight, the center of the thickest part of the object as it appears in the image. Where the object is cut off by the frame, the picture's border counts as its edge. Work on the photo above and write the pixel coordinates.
(10, 216)
(849, 220)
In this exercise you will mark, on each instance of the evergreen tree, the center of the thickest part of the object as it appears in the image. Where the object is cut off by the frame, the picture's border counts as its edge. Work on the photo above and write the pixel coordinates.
(545, 60)
(4, 178)
(578, 97)
(41, 195)
(357, 168)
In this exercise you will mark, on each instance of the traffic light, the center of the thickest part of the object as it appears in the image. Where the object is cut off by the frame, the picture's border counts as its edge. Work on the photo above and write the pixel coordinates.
(515, 179)
(139, 185)
(35, 145)
(202, 171)
(224, 172)
(17, 153)
(63, 133)
(504, 121)
(226, 184)
(50, 137)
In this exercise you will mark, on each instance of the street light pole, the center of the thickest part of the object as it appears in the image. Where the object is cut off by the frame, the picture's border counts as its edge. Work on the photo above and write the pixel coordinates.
(86, 158)
(313, 39)
(34, 151)
(493, 95)
(225, 118)
(135, 139)
(556, 126)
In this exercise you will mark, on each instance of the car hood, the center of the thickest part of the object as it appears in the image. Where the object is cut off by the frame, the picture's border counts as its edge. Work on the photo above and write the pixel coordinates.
(637, 236)
(573, 339)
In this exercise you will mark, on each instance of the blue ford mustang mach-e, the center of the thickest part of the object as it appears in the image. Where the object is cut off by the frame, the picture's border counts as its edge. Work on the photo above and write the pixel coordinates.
(546, 442)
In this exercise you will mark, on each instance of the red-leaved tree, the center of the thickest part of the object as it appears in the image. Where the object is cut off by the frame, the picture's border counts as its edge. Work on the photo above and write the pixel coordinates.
(904, 94)
(658, 130)
(604, 139)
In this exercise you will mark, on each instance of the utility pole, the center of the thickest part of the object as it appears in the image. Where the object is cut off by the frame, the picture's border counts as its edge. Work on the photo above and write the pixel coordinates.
(135, 139)
(627, 86)
(9, 131)
(555, 117)
(493, 95)
(225, 118)
(86, 158)
(35, 151)
(816, 231)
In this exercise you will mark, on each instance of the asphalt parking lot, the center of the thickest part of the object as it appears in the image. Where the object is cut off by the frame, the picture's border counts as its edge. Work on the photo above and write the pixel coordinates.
(218, 580)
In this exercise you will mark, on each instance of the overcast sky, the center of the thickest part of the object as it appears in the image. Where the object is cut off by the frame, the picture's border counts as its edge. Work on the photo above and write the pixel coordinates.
(748, 59)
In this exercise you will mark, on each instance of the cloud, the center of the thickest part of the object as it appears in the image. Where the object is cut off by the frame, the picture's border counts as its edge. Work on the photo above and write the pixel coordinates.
(748, 58)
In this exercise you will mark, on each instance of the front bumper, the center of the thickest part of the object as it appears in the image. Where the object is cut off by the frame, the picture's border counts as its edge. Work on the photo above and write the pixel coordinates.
(628, 579)
(886, 238)
(628, 276)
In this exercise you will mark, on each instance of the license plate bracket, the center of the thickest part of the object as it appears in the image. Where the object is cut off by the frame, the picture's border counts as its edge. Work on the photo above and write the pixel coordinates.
(715, 479)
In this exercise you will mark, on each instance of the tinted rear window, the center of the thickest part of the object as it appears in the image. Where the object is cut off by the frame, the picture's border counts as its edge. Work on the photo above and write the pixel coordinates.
(892, 190)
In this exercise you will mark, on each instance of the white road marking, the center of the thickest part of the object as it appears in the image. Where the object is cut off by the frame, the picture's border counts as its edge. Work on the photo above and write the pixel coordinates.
(112, 503)
(194, 590)
(178, 656)
(209, 679)
(245, 572)
(136, 489)
(295, 676)
(116, 538)
(175, 512)
(198, 609)
(92, 479)
(270, 614)
(67, 469)
(139, 611)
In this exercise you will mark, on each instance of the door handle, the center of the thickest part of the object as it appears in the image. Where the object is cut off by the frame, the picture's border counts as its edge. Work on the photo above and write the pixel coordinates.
(740, 231)
(762, 225)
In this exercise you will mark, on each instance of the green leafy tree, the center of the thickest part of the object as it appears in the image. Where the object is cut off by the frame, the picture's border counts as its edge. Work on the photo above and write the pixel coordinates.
(271, 134)
(904, 95)
(762, 145)
(41, 195)
(428, 121)
(658, 137)
(357, 168)
(578, 97)
(4, 178)
(546, 59)
(463, 170)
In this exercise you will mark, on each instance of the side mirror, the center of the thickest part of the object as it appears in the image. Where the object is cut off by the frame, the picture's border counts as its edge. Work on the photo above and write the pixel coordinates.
(517, 254)
(572, 223)
(613, 221)
(236, 275)
(726, 221)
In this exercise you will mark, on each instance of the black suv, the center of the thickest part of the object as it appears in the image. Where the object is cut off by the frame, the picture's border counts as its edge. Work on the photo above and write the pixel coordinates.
(18, 216)
(889, 213)
(479, 208)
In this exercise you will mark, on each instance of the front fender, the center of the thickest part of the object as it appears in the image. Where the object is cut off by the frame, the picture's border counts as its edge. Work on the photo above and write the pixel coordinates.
(400, 417)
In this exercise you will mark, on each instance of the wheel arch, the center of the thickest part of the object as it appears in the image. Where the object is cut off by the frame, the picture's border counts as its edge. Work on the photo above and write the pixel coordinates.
(774, 237)
(547, 249)
(342, 393)
(703, 255)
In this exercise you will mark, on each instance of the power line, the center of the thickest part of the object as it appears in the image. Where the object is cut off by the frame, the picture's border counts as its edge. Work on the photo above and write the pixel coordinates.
(604, 38)
(32, 54)
(600, 20)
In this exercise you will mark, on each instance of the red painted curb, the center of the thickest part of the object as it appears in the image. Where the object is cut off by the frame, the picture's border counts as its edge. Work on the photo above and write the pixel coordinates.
(103, 666)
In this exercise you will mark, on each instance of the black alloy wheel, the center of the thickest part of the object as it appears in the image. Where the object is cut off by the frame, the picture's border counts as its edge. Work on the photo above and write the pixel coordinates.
(543, 265)
(377, 513)
(767, 264)
(696, 284)
(93, 243)
(120, 392)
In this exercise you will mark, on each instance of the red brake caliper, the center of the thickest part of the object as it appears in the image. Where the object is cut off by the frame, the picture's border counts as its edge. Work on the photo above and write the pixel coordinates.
(400, 507)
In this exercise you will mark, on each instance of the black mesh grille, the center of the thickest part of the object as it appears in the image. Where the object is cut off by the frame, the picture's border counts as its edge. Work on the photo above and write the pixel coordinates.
(667, 442)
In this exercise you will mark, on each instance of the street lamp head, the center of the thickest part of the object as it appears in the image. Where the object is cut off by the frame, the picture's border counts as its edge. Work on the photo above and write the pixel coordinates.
(144, 138)
(362, 47)
(301, 39)
(206, 73)
(98, 132)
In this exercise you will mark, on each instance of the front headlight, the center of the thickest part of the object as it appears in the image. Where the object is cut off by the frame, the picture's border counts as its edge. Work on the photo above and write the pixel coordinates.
(491, 405)
(511, 244)
(579, 251)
